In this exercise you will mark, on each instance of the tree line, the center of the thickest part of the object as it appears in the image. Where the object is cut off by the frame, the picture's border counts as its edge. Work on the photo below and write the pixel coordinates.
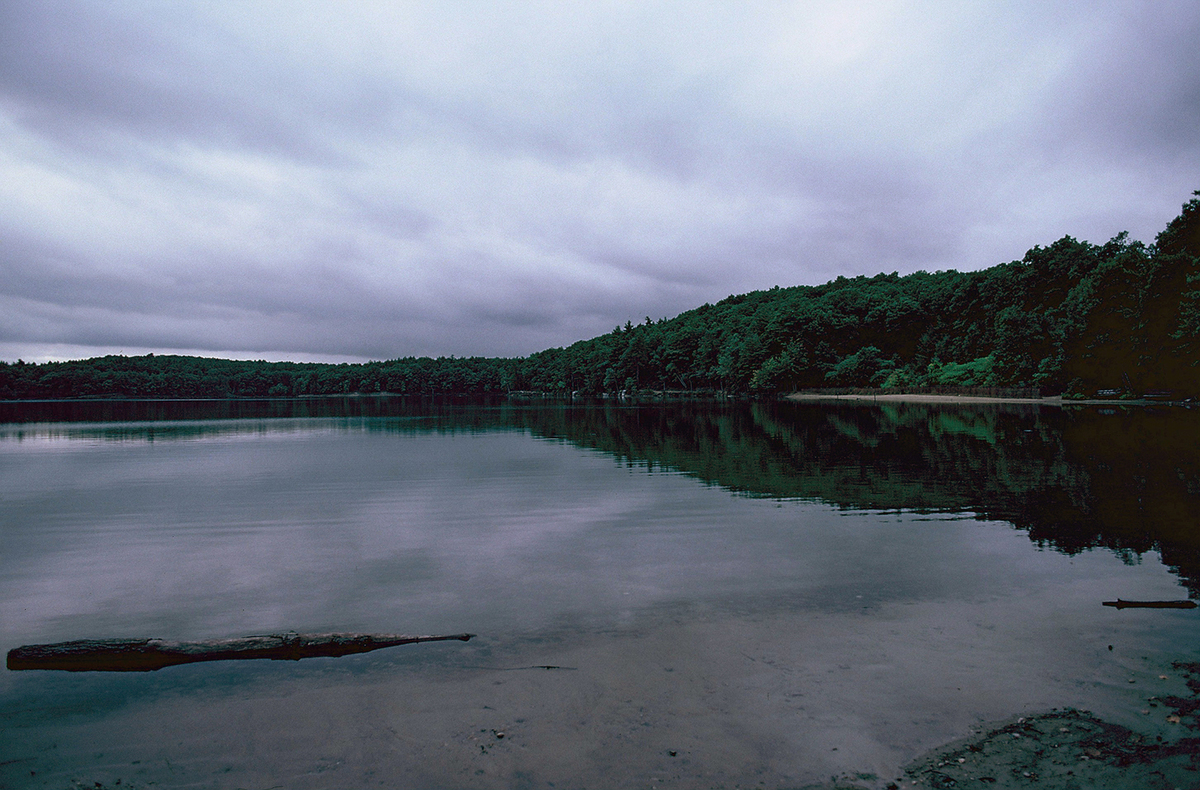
(1073, 318)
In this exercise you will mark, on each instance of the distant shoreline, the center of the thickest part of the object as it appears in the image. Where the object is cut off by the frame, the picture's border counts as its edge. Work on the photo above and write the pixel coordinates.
(915, 397)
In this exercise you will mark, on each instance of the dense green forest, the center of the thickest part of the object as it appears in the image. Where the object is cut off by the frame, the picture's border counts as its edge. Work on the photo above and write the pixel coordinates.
(1072, 318)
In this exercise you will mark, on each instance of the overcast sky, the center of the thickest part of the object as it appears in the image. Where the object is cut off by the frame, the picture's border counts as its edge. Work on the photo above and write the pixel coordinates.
(352, 181)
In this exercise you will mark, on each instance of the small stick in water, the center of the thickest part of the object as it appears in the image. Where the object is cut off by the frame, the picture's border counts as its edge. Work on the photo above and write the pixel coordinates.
(1120, 604)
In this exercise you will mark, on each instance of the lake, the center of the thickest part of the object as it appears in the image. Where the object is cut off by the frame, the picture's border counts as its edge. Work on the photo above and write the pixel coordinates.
(730, 594)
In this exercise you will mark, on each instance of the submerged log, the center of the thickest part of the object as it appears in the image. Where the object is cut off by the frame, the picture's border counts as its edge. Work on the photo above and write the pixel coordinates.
(1120, 604)
(146, 655)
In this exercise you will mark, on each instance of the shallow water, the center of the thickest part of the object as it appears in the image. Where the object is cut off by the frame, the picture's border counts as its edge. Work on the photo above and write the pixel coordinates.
(733, 595)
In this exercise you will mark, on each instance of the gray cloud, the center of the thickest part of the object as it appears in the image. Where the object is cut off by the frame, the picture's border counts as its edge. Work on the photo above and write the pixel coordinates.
(381, 180)
(82, 76)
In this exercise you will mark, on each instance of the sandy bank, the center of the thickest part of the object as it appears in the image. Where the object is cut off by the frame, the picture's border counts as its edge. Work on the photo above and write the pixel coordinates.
(913, 397)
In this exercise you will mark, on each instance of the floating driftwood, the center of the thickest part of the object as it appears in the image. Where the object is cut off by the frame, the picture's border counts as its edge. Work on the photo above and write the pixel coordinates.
(145, 655)
(1119, 604)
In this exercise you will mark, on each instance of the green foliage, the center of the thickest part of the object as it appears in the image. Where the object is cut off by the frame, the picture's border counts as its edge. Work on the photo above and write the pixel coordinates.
(1182, 234)
(1071, 317)
(866, 367)
(976, 373)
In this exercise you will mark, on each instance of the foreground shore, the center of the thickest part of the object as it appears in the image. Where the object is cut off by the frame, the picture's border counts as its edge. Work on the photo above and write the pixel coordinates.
(1063, 749)
(647, 707)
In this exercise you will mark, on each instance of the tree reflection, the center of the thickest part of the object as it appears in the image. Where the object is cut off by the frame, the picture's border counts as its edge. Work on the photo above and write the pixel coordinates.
(1126, 479)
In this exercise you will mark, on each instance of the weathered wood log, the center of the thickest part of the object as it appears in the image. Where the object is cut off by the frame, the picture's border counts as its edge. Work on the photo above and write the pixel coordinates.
(1120, 604)
(146, 655)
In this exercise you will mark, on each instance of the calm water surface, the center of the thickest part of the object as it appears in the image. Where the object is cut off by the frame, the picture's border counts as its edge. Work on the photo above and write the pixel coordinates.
(753, 595)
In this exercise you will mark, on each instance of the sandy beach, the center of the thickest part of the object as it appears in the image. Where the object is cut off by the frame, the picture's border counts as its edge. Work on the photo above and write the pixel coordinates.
(914, 397)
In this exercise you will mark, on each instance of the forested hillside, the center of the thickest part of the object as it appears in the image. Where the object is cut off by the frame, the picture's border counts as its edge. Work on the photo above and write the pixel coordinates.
(1072, 318)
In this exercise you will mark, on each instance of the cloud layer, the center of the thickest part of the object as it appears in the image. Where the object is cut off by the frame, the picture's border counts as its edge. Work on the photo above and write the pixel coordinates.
(353, 181)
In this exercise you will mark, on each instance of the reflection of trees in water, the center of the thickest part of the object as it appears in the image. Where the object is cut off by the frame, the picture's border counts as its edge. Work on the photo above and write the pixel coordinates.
(1125, 479)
